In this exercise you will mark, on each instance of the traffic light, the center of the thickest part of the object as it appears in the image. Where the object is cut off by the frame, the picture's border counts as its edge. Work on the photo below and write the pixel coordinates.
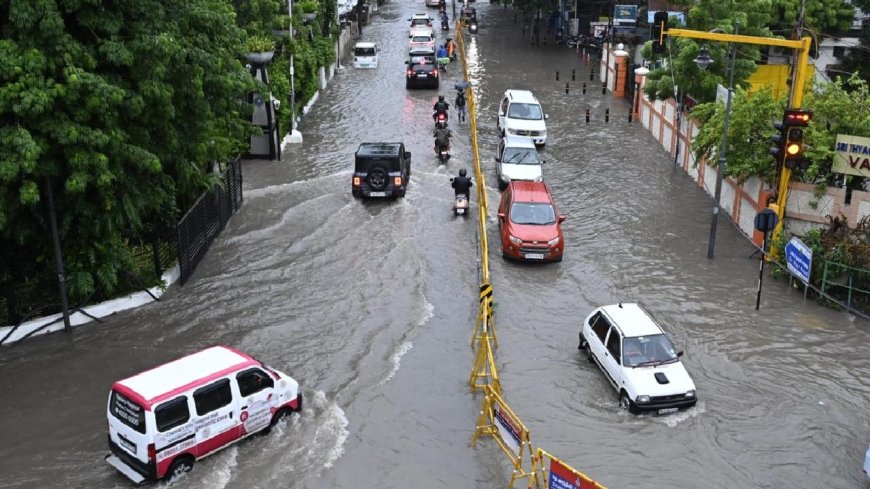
(778, 140)
(794, 121)
(658, 33)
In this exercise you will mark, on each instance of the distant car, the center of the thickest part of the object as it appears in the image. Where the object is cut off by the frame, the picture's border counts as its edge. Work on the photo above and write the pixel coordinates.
(422, 71)
(518, 159)
(529, 224)
(638, 359)
(365, 55)
(520, 114)
(421, 30)
(381, 170)
(423, 44)
(420, 19)
(433, 3)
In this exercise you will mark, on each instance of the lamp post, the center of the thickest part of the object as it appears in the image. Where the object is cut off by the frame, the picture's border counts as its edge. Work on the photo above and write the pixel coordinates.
(703, 60)
(292, 87)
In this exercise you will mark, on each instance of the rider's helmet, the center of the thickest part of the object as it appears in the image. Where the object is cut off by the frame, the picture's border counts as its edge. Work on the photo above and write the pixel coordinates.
(441, 98)
(462, 172)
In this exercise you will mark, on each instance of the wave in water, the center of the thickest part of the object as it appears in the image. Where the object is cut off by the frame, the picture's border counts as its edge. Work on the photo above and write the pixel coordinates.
(332, 431)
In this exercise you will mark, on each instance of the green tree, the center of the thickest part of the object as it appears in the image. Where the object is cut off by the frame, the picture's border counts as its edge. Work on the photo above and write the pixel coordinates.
(125, 106)
(750, 129)
(756, 18)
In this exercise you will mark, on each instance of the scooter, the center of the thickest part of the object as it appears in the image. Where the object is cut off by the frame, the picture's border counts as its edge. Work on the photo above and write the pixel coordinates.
(441, 119)
(460, 205)
(472, 27)
(445, 26)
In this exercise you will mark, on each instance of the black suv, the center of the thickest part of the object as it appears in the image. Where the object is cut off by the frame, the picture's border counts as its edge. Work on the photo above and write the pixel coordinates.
(422, 70)
(381, 170)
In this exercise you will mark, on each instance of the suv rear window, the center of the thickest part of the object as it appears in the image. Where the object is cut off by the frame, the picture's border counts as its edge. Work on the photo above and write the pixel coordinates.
(127, 411)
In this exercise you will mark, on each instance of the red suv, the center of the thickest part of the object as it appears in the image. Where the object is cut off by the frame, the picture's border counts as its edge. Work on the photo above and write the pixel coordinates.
(529, 223)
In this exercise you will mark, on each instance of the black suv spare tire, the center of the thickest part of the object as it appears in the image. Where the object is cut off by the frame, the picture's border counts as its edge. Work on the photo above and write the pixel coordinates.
(378, 178)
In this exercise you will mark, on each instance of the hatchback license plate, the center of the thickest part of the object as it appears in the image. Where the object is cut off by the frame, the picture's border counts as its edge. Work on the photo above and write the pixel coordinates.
(535, 256)
(378, 194)
(668, 410)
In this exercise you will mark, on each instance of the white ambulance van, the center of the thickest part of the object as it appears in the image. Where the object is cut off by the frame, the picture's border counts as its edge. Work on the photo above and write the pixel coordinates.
(164, 419)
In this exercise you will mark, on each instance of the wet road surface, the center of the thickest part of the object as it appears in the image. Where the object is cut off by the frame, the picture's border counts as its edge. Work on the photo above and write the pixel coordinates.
(371, 307)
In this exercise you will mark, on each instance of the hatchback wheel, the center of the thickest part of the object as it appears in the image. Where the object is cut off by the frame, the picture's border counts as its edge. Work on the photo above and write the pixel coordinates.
(625, 403)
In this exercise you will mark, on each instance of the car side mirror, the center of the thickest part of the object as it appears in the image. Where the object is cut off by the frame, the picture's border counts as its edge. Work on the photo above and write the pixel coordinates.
(679, 353)
(407, 155)
(501, 215)
(496, 159)
(546, 116)
(407, 62)
(562, 217)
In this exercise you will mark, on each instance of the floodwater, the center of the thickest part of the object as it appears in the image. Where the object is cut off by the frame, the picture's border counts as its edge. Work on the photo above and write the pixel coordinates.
(371, 307)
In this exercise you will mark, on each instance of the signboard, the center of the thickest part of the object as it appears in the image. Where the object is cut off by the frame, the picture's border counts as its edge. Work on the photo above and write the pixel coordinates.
(625, 13)
(650, 16)
(508, 427)
(852, 156)
(722, 94)
(799, 259)
(562, 477)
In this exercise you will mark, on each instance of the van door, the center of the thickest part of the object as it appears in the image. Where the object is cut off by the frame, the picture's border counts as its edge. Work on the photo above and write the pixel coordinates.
(127, 429)
(257, 398)
(217, 416)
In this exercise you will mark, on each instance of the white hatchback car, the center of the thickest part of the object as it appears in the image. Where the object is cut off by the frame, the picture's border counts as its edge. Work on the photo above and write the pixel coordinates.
(638, 359)
(520, 114)
(518, 159)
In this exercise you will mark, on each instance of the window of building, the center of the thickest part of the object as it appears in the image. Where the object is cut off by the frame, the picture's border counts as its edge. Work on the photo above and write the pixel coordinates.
(839, 52)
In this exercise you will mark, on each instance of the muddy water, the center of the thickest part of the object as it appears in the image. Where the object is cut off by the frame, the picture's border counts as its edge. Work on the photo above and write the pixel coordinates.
(370, 306)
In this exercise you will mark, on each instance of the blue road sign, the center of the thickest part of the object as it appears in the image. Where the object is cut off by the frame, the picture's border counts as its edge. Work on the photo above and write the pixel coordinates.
(799, 259)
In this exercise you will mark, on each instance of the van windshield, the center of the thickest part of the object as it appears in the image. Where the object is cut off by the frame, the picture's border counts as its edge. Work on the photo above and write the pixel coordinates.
(530, 112)
(364, 51)
(127, 411)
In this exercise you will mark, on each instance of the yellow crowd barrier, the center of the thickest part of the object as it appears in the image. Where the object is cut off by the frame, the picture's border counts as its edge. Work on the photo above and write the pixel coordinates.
(496, 418)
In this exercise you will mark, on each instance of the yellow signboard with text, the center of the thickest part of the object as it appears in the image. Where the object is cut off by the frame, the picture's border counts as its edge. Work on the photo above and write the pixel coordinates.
(852, 156)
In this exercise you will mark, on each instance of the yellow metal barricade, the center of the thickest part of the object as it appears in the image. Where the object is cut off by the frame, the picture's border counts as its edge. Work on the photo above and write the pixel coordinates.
(496, 419)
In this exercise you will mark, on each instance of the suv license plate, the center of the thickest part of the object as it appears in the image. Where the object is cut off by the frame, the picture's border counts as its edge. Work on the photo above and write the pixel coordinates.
(534, 256)
(377, 194)
(422, 75)
(668, 410)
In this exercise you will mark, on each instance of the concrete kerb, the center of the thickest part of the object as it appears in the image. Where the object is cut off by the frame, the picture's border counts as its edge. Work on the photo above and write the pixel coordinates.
(101, 310)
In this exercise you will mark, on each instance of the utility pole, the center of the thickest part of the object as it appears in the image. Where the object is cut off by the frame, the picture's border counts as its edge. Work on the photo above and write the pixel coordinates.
(58, 256)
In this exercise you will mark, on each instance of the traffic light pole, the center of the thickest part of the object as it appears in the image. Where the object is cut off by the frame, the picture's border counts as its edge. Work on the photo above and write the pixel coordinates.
(803, 48)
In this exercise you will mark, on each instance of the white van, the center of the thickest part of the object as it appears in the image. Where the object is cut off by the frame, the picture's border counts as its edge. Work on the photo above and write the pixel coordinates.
(365, 55)
(164, 419)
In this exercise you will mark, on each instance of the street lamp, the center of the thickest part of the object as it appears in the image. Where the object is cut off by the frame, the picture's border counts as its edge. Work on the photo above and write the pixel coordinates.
(703, 61)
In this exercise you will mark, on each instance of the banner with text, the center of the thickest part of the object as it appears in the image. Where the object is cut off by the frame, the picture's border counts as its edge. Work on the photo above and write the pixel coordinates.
(852, 155)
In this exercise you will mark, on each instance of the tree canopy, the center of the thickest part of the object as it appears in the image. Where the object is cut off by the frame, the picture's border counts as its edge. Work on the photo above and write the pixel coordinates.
(124, 108)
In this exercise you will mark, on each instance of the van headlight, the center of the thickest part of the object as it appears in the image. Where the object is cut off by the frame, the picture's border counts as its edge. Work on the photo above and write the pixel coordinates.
(690, 394)
(642, 399)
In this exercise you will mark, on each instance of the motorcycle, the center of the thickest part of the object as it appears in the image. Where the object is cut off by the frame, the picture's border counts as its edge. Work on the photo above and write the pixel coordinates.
(472, 27)
(441, 119)
(445, 26)
(460, 205)
(443, 153)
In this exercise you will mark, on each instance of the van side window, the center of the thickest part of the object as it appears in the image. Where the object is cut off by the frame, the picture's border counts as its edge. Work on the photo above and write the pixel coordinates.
(600, 326)
(126, 410)
(252, 381)
(171, 414)
(213, 396)
(614, 344)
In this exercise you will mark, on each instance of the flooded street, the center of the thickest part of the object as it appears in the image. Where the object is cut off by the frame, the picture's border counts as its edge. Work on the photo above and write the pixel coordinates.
(370, 306)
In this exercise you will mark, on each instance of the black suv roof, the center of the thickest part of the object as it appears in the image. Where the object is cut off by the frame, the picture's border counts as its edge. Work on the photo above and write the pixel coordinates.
(378, 149)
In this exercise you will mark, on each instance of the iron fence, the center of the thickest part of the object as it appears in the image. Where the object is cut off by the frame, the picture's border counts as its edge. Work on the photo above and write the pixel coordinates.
(206, 219)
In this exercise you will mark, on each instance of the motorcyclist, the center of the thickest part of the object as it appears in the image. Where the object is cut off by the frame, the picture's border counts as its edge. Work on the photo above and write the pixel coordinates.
(444, 18)
(442, 137)
(442, 57)
(460, 103)
(461, 184)
(440, 106)
(451, 48)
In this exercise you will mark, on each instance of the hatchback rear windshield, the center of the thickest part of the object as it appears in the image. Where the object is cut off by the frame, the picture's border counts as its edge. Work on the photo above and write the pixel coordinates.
(364, 51)
(530, 112)
(532, 213)
(127, 411)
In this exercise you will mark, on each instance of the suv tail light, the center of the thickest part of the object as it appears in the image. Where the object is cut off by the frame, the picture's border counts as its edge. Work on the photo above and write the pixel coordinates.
(397, 181)
(357, 181)
(410, 72)
(434, 72)
(152, 452)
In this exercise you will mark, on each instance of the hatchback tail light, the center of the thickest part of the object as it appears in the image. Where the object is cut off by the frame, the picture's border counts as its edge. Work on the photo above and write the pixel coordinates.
(397, 181)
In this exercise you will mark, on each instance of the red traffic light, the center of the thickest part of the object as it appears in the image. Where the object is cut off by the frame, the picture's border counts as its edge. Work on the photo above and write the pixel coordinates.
(797, 117)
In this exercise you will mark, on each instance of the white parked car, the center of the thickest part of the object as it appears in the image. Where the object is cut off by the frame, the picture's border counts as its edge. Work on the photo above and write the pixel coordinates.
(867, 464)
(520, 114)
(638, 359)
(365, 55)
(518, 159)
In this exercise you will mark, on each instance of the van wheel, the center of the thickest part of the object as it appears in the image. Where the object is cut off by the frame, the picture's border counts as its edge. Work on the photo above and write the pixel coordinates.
(282, 414)
(179, 467)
